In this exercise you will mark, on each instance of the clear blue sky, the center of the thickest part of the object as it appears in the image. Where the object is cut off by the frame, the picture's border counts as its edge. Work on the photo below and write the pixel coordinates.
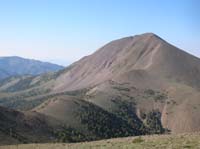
(63, 31)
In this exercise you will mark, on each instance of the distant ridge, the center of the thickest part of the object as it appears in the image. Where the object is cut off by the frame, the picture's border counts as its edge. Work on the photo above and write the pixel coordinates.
(15, 66)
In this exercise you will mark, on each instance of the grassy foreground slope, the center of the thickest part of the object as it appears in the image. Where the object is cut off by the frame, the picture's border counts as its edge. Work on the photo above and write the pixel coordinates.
(180, 141)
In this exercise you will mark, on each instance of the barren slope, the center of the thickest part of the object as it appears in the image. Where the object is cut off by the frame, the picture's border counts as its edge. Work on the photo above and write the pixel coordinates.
(146, 54)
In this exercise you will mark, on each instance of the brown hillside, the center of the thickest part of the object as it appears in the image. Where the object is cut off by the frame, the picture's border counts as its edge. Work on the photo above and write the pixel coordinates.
(123, 59)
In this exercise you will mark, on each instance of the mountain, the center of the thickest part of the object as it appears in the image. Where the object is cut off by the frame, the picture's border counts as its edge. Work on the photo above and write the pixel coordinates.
(15, 66)
(131, 86)
(124, 60)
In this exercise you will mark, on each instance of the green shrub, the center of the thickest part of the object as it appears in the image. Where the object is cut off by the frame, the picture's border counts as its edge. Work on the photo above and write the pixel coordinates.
(138, 140)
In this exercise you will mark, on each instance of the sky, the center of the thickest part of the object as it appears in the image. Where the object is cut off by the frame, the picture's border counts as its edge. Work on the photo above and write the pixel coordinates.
(63, 31)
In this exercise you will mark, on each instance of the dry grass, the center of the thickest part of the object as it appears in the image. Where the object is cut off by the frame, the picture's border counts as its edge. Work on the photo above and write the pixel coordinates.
(182, 141)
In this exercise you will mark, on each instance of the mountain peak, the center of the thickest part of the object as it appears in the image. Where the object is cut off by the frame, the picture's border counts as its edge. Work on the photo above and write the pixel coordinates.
(144, 35)
(149, 35)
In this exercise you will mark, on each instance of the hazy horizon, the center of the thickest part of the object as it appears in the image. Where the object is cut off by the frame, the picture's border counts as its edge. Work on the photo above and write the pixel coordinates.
(62, 32)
